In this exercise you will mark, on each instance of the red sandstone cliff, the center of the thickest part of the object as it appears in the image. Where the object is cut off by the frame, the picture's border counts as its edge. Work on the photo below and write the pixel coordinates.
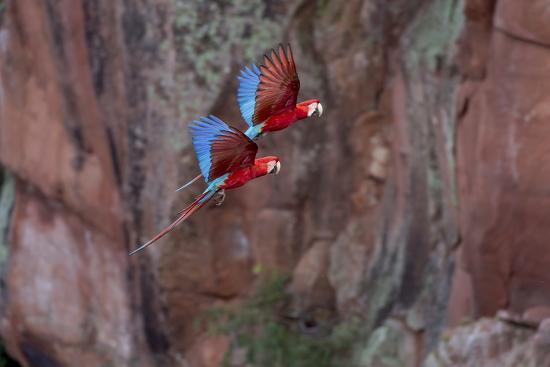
(416, 202)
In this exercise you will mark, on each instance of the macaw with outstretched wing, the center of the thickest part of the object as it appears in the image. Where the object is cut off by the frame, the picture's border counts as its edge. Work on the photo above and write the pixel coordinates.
(227, 160)
(268, 96)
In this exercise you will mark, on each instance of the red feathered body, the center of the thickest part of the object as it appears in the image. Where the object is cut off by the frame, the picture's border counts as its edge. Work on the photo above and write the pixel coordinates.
(241, 176)
(277, 90)
(262, 166)
(284, 119)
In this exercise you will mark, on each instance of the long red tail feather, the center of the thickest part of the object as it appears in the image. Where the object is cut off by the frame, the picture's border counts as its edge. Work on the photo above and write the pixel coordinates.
(183, 215)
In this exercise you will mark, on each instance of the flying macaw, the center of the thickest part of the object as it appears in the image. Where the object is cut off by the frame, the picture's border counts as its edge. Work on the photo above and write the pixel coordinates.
(267, 96)
(227, 160)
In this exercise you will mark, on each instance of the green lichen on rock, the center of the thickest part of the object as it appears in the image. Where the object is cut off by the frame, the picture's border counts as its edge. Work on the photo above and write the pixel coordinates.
(389, 346)
(207, 33)
(7, 198)
(429, 50)
(433, 80)
(434, 33)
(259, 337)
(419, 294)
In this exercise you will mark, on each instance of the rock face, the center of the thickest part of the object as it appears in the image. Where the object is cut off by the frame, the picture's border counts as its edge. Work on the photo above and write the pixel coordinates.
(492, 343)
(502, 172)
(418, 200)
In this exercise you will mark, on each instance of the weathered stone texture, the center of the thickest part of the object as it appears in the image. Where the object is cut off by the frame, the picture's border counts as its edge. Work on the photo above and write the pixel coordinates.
(417, 201)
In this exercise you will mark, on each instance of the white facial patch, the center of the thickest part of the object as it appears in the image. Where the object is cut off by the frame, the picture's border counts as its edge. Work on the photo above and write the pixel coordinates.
(273, 167)
(311, 109)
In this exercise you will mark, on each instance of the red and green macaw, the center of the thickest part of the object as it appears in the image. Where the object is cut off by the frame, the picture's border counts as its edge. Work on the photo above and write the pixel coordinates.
(227, 160)
(268, 96)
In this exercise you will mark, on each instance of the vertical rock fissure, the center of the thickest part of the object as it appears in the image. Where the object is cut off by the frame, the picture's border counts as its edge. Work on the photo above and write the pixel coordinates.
(72, 118)
(417, 253)
(134, 31)
(142, 55)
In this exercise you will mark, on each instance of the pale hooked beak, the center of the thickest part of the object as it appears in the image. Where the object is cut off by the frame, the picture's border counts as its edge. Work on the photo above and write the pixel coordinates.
(277, 167)
(319, 109)
(314, 109)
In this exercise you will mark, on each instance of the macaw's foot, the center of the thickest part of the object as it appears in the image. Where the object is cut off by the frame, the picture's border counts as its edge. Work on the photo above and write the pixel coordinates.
(220, 197)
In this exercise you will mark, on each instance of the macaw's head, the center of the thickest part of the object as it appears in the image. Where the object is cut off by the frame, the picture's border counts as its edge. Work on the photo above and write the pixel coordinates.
(312, 107)
(268, 165)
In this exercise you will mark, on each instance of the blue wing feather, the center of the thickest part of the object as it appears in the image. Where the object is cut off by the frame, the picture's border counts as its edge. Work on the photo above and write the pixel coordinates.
(204, 132)
(246, 94)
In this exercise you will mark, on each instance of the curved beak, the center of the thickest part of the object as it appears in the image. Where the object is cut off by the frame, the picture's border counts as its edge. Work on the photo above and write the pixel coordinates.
(277, 167)
(319, 109)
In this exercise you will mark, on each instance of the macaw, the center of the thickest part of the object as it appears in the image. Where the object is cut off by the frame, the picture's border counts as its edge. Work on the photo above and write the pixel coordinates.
(267, 96)
(227, 160)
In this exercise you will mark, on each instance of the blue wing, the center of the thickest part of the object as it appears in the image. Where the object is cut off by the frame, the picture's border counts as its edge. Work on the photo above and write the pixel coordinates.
(220, 148)
(203, 132)
(246, 94)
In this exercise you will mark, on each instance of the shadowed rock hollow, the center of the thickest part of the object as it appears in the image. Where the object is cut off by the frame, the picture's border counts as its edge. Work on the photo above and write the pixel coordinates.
(418, 200)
